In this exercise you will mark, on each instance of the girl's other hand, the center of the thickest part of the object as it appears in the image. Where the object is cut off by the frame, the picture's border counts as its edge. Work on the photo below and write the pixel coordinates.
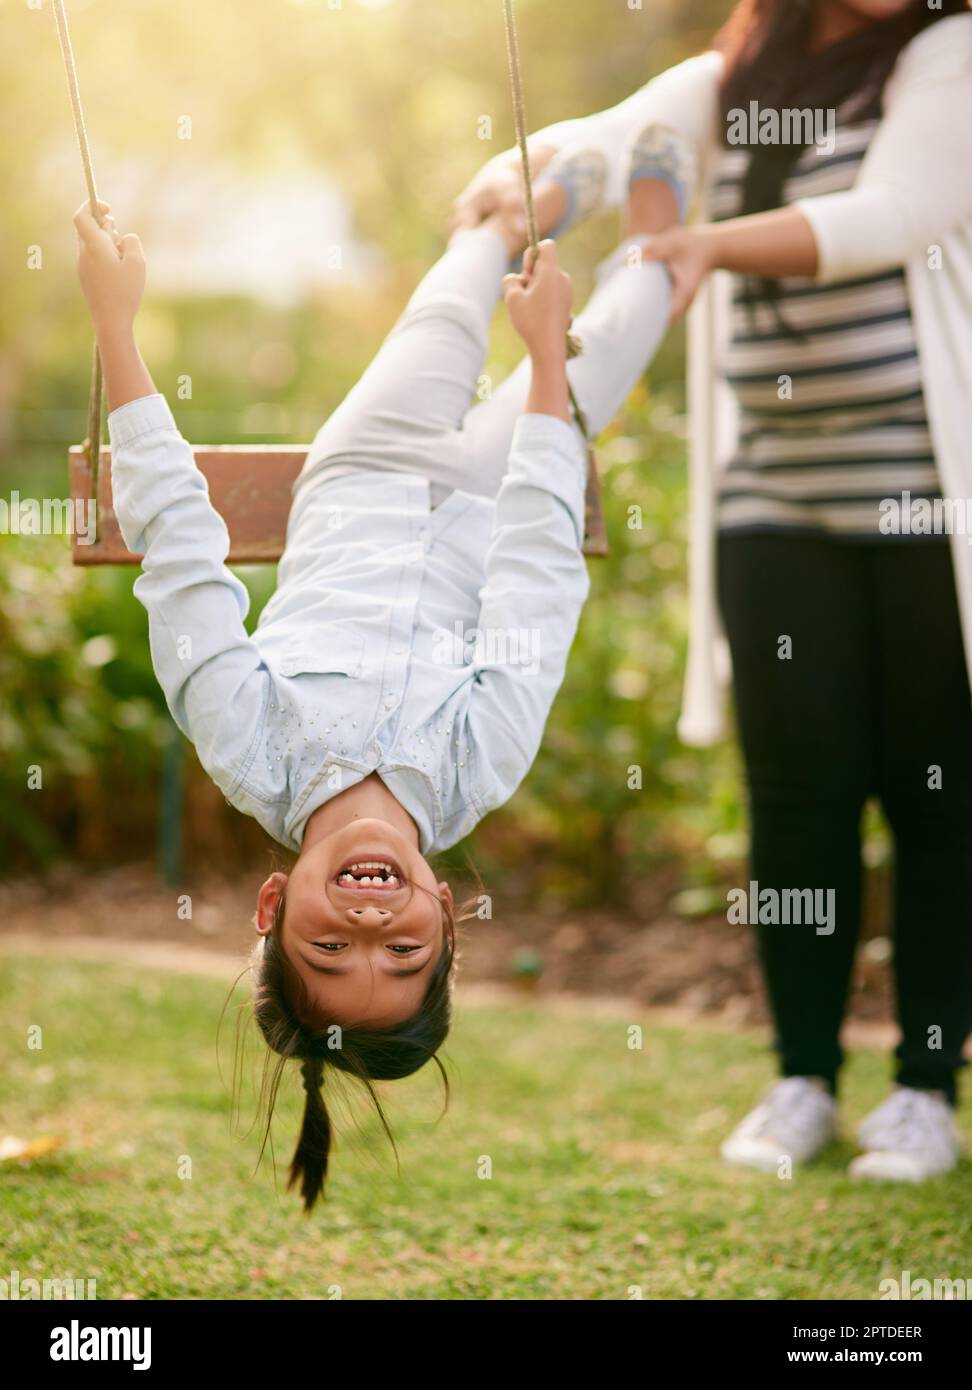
(539, 302)
(111, 269)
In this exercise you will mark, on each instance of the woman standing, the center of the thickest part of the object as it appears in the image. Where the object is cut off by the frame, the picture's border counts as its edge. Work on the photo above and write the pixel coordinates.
(827, 145)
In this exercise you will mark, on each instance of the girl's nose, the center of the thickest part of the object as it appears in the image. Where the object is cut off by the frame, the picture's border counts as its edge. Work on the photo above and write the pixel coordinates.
(368, 916)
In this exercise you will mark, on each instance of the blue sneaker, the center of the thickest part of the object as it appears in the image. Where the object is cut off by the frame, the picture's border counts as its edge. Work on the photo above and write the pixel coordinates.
(582, 174)
(659, 152)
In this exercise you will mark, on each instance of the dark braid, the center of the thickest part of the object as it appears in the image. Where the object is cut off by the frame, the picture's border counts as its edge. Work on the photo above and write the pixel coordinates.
(308, 1166)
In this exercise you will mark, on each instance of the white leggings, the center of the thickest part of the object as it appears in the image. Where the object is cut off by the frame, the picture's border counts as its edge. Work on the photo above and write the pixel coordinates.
(411, 411)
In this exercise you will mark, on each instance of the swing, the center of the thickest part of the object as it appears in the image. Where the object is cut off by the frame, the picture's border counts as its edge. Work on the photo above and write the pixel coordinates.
(250, 485)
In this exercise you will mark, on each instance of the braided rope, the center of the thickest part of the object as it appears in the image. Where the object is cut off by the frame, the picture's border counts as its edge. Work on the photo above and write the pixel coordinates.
(93, 442)
(574, 347)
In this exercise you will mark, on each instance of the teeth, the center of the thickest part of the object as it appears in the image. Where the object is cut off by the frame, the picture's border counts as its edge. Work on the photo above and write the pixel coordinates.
(369, 873)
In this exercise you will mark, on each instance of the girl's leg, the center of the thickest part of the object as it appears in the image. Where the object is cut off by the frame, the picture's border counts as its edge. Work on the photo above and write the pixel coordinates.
(405, 412)
(806, 722)
(926, 787)
(620, 329)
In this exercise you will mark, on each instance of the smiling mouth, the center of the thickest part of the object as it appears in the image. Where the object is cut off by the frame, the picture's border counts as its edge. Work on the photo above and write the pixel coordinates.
(371, 876)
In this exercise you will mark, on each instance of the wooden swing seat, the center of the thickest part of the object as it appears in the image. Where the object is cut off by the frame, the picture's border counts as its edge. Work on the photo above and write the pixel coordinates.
(250, 487)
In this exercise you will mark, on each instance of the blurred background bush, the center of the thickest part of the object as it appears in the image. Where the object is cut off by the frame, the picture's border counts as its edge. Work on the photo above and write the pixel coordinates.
(283, 235)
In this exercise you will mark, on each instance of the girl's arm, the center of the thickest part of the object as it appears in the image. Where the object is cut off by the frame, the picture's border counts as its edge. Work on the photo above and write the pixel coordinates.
(209, 669)
(536, 577)
(536, 586)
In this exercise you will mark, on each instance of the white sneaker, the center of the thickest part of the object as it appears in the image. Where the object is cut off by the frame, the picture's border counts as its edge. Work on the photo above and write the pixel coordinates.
(795, 1121)
(909, 1138)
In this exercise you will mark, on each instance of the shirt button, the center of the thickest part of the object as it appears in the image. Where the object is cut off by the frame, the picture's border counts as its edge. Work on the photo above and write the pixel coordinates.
(389, 701)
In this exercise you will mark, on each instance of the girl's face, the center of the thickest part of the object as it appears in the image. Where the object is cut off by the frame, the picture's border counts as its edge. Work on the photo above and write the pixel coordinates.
(364, 924)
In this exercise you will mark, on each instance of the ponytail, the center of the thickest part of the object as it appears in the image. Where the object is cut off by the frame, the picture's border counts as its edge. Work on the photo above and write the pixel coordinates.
(308, 1167)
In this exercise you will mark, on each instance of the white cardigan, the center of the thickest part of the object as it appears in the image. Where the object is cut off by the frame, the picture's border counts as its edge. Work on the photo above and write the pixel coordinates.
(913, 194)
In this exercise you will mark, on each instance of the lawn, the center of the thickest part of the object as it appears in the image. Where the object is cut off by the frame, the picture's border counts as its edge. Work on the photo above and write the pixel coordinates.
(605, 1178)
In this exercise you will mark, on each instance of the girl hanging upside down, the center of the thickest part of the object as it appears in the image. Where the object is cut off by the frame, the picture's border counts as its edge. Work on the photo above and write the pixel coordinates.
(346, 725)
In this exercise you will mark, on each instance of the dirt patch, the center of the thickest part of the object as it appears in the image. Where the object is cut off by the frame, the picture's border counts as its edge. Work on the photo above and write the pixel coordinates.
(695, 966)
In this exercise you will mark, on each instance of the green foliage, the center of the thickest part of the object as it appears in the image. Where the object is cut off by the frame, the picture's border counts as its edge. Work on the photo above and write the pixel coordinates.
(80, 723)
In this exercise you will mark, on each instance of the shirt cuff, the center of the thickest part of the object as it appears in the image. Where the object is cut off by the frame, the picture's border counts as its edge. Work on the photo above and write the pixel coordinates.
(138, 417)
(535, 439)
(550, 432)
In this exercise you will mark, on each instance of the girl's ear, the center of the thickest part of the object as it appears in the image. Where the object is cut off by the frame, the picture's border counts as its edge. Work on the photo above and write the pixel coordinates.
(445, 893)
(268, 903)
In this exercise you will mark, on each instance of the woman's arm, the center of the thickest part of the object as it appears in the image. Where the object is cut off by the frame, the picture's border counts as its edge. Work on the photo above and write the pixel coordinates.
(769, 244)
(914, 186)
(915, 183)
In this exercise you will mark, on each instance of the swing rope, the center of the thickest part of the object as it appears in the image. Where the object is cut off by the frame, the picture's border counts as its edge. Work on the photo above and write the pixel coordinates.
(92, 444)
(574, 347)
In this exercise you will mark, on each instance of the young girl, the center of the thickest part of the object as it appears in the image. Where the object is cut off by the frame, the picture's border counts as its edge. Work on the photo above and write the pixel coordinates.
(397, 684)
(851, 259)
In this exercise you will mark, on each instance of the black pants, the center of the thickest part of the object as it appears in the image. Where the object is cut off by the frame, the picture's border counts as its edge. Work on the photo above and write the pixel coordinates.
(873, 699)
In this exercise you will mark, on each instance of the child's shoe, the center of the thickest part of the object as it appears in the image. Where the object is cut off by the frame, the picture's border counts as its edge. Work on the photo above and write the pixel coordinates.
(659, 152)
(582, 174)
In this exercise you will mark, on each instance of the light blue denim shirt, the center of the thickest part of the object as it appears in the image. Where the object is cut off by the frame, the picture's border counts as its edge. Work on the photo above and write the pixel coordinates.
(422, 644)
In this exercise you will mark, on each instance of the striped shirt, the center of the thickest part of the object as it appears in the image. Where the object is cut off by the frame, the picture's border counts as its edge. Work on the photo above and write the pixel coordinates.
(832, 420)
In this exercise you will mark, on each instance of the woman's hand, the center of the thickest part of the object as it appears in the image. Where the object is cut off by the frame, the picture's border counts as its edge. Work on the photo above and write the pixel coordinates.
(690, 254)
(769, 245)
(539, 303)
(498, 187)
(111, 269)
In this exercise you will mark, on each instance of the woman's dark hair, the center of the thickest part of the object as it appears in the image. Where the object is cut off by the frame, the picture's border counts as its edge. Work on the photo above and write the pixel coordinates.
(281, 1010)
(768, 60)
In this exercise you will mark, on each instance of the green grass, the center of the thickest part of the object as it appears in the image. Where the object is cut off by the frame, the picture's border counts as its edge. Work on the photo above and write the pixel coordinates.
(605, 1172)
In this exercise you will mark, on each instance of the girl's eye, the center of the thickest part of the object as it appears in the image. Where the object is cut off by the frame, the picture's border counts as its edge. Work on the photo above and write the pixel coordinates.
(330, 945)
(404, 950)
